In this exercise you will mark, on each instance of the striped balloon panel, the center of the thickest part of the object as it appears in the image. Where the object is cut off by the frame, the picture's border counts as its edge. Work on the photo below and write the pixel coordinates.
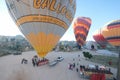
(112, 33)
(41, 39)
(80, 34)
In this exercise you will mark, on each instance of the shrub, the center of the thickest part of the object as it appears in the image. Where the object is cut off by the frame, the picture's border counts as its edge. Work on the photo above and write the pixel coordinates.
(87, 55)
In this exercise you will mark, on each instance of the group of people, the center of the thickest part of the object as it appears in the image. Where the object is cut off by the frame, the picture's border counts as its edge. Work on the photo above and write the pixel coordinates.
(71, 66)
(97, 69)
(74, 65)
(37, 62)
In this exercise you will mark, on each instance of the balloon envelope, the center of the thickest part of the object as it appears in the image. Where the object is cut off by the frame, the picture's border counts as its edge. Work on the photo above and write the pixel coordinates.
(81, 28)
(111, 32)
(99, 38)
(43, 22)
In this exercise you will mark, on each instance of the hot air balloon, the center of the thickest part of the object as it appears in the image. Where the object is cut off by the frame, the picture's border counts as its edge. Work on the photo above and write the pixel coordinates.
(81, 28)
(99, 38)
(42, 22)
(111, 32)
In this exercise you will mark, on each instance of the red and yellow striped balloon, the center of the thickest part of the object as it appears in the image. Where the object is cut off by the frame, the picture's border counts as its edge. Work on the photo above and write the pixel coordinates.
(81, 28)
(111, 32)
(99, 38)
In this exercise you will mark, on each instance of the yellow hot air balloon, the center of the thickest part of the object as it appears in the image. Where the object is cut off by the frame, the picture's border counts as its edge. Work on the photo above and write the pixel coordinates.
(43, 22)
(111, 32)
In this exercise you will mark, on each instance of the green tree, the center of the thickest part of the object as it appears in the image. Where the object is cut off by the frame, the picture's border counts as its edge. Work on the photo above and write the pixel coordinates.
(87, 55)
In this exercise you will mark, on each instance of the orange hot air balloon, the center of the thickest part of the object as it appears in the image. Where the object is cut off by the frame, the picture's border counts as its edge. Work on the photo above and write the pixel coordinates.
(43, 22)
(99, 38)
(81, 28)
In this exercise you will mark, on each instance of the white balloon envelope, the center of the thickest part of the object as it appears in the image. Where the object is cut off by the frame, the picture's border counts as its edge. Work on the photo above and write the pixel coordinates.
(43, 22)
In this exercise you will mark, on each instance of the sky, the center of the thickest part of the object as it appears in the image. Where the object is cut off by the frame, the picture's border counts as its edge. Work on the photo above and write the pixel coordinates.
(100, 12)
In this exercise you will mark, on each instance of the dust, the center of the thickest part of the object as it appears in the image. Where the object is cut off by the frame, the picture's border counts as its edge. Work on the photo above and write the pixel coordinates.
(20, 73)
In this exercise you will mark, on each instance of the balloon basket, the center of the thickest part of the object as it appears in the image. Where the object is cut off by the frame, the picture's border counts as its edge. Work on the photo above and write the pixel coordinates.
(43, 62)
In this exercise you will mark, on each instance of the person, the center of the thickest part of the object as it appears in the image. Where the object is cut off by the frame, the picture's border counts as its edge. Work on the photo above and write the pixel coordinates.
(76, 69)
(81, 68)
(24, 61)
(33, 62)
(70, 66)
(73, 65)
(96, 67)
(36, 60)
(109, 70)
(110, 62)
